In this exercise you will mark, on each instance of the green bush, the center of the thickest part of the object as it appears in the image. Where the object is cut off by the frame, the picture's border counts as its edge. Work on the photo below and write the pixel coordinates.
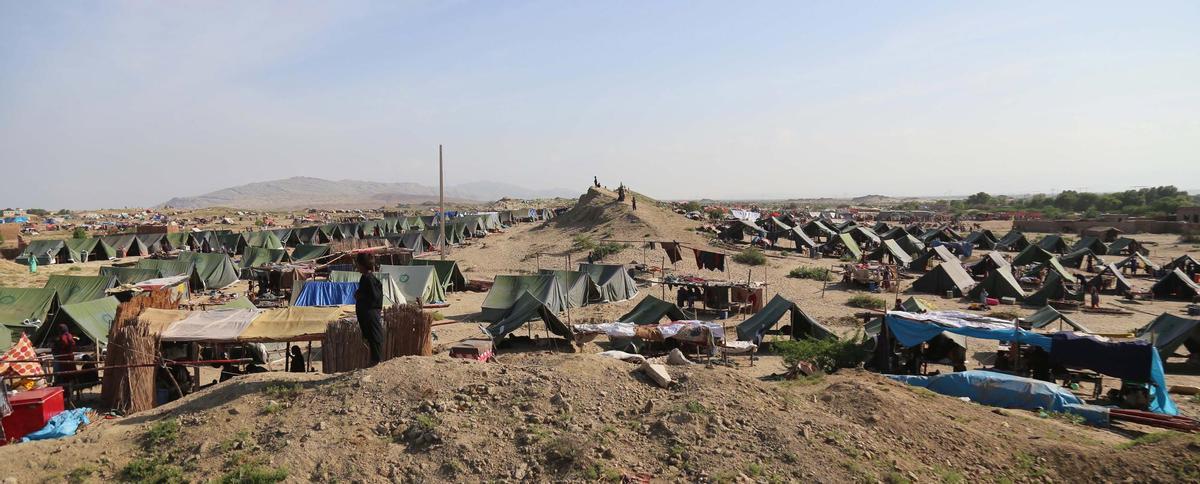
(163, 433)
(828, 354)
(599, 250)
(866, 302)
(79, 233)
(152, 470)
(253, 473)
(814, 273)
(751, 257)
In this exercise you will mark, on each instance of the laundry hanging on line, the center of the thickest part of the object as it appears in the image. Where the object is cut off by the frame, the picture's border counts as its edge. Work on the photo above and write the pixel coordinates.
(672, 249)
(710, 260)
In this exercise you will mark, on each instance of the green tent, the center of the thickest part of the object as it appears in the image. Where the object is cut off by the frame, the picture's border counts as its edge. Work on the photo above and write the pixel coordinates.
(238, 303)
(507, 289)
(46, 252)
(802, 326)
(1031, 255)
(990, 261)
(999, 283)
(528, 308)
(216, 271)
(392, 295)
(179, 241)
(172, 268)
(1121, 285)
(417, 283)
(264, 239)
(614, 282)
(1013, 241)
(448, 272)
(651, 310)
(76, 289)
(914, 305)
(258, 256)
(129, 275)
(802, 240)
(981, 239)
(577, 287)
(1175, 284)
(83, 250)
(304, 252)
(1092, 243)
(126, 245)
(152, 242)
(18, 304)
(1054, 288)
(890, 249)
(862, 235)
(434, 237)
(1182, 262)
(232, 243)
(1168, 332)
(1077, 258)
(413, 240)
(1053, 243)
(286, 237)
(845, 240)
(910, 244)
(310, 235)
(1043, 317)
(936, 254)
(1126, 245)
(947, 276)
(1142, 261)
(89, 320)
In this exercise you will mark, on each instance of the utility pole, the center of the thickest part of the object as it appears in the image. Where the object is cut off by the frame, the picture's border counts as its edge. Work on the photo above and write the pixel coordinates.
(442, 201)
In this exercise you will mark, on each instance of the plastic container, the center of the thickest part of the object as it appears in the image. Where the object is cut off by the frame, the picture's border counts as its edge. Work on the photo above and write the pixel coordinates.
(31, 411)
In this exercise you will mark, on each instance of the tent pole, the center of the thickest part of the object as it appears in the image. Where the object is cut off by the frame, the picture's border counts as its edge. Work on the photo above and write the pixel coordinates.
(441, 203)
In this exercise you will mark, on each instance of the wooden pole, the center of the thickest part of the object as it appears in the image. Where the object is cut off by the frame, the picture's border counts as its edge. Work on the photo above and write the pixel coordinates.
(441, 203)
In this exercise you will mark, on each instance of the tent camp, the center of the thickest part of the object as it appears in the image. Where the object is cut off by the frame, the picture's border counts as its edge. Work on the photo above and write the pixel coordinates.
(434, 237)
(18, 304)
(863, 235)
(216, 271)
(1127, 246)
(910, 244)
(651, 310)
(286, 236)
(528, 308)
(981, 239)
(577, 287)
(1077, 258)
(1013, 242)
(1054, 288)
(1168, 332)
(614, 282)
(310, 236)
(1121, 285)
(74, 289)
(447, 271)
(991, 260)
(1047, 315)
(892, 252)
(171, 268)
(1031, 255)
(947, 276)
(1094, 244)
(943, 234)
(178, 241)
(305, 252)
(507, 289)
(845, 242)
(413, 240)
(258, 256)
(817, 229)
(46, 252)
(152, 242)
(87, 320)
(264, 239)
(129, 275)
(83, 250)
(937, 254)
(1054, 243)
(802, 240)
(392, 294)
(999, 283)
(417, 283)
(126, 245)
(801, 325)
(231, 243)
(1175, 285)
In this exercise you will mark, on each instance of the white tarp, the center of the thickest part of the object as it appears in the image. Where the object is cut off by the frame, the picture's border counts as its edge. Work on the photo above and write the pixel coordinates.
(745, 215)
(214, 325)
(690, 330)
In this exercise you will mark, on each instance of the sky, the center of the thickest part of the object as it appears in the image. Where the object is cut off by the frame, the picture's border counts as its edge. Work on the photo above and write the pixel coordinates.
(114, 104)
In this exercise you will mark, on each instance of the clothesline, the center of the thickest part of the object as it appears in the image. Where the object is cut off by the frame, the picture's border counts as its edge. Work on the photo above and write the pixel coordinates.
(681, 245)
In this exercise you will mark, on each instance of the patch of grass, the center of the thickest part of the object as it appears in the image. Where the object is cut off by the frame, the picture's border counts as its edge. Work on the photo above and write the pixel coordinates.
(813, 273)
(161, 434)
(694, 406)
(859, 472)
(896, 478)
(1150, 438)
(600, 472)
(1064, 416)
(751, 256)
(922, 392)
(254, 473)
(866, 301)
(232, 442)
(805, 381)
(828, 354)
(284, 392)
(427, 422)
(272, 408)
(565, 451)
(437, 316)
(948, 475)
(74, 269)
(1028, 466)
(80, 474)
(754, 469)
(151, 470)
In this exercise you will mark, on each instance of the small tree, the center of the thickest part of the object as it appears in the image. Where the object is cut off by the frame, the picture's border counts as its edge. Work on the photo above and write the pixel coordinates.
(751, 257)
(79, 233)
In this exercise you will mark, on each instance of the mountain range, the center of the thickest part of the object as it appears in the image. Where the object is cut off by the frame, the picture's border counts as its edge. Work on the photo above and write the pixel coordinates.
(309, 192)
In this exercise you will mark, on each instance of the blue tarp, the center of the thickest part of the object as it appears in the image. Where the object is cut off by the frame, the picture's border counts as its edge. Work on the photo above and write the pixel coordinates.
(1007, 391)
(62, 425)
(321, 293)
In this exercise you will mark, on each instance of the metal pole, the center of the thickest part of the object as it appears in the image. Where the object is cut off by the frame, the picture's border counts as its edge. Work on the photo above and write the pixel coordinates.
(442, 200)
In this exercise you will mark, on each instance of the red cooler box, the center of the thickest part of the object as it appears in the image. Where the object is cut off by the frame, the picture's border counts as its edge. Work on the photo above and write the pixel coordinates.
(31, 411)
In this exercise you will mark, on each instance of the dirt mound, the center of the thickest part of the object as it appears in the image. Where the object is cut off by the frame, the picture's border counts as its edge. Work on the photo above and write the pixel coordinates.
(598, 207)
(543, 417)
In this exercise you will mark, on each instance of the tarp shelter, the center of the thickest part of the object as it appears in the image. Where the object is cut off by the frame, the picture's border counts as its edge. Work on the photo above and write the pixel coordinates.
(1054, 288)
(937, 254)
(1013, 242)
(1126, 245)
(614, 282)
(18, 304)
(447, 271)
(1091, 243)
(83, 250)
(1175, 285)
(528, 308)
(171, 268)
(1031, 255)
(947, 276)
(1047, 315)
(417, 283)
(129, 275)
(126, 245)
(325, 293)
(891, 250)
(46, 252)
(258, 256)
(216, 325)
(999, 283)
(801, 326)
(305, 252)
(264, 239)
(1142, 261)
(577, 287)
(1168, 332)
(293, 324)
(392, 294)
(236, 303)
(74, 289)
(152, 242)
(1054, 243)
(651, 310)
(507, 289)
(1002, 390)
(216, 271)
(88, 320)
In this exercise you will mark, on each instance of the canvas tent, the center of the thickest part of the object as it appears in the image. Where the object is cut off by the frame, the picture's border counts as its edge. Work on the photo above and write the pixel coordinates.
(613, 280)
(999, 283)
(651, 310)
(258, 256)
(264, 239)
(87, 320)
(178, 241)
(231, 243)
(1121, 285)
(46, 252)
(577, 287)
(1047, 315)
(216, 271)
(413, 240)
(447, 271)
(1054, 288)
(507, 289)
(126, 245)
(815, 228)
(1077, 258)
(74, 289)
(1184, 262)
(847, 242)
(801, 239)
(1053, 243)
(1013, 242)
(991, 260)
(417, 283)
(1031, 255)
(937, 254)
(18, 304)
(152, 242)
(171, 268)
(910, 244)
(863, 235)
(1126, 245)
(1175, 285)
(392, 294)
(434, 238)
(1092, 243)
(889, 249)
(305, 252)
(981, 239)
(83, 250)
(310, 235)
(801, 326)
(129, 275)
(1168, 332)
(293, 324)
(947, 276)
(528, 308)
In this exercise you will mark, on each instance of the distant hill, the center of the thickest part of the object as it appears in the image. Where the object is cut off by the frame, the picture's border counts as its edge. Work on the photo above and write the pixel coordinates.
(304, 192)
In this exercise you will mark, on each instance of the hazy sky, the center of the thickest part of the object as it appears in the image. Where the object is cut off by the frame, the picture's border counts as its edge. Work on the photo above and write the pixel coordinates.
(131, 103)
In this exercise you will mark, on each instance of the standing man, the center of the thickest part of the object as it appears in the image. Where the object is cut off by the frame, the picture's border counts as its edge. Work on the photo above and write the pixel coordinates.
(634, 199)
(1095, 292)
(63, 349)
(368, 302)
(595, 181)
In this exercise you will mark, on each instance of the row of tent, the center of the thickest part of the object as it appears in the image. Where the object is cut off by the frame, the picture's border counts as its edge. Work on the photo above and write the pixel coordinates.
(514, 300)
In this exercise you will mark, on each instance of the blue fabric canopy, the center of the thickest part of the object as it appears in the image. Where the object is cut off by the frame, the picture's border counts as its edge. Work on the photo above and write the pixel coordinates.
(1006, 391)
(321, 293)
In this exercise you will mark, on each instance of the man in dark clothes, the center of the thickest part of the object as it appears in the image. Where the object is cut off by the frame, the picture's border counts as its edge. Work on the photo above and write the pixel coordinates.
(634, 200)
(297, 363)
(596, 181)
(368, 302)
(63, 349)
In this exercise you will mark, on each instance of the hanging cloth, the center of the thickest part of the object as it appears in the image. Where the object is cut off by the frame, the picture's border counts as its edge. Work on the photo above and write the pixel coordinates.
(672, 249)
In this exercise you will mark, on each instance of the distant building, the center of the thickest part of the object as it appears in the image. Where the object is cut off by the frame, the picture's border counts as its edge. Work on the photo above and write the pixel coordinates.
(1188, 214)
(1105, 234)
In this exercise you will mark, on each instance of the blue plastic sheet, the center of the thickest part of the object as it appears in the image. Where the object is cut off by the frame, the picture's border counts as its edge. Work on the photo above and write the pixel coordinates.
(62, 425)
(321, 293)
(912, 332)
(1006, 391)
